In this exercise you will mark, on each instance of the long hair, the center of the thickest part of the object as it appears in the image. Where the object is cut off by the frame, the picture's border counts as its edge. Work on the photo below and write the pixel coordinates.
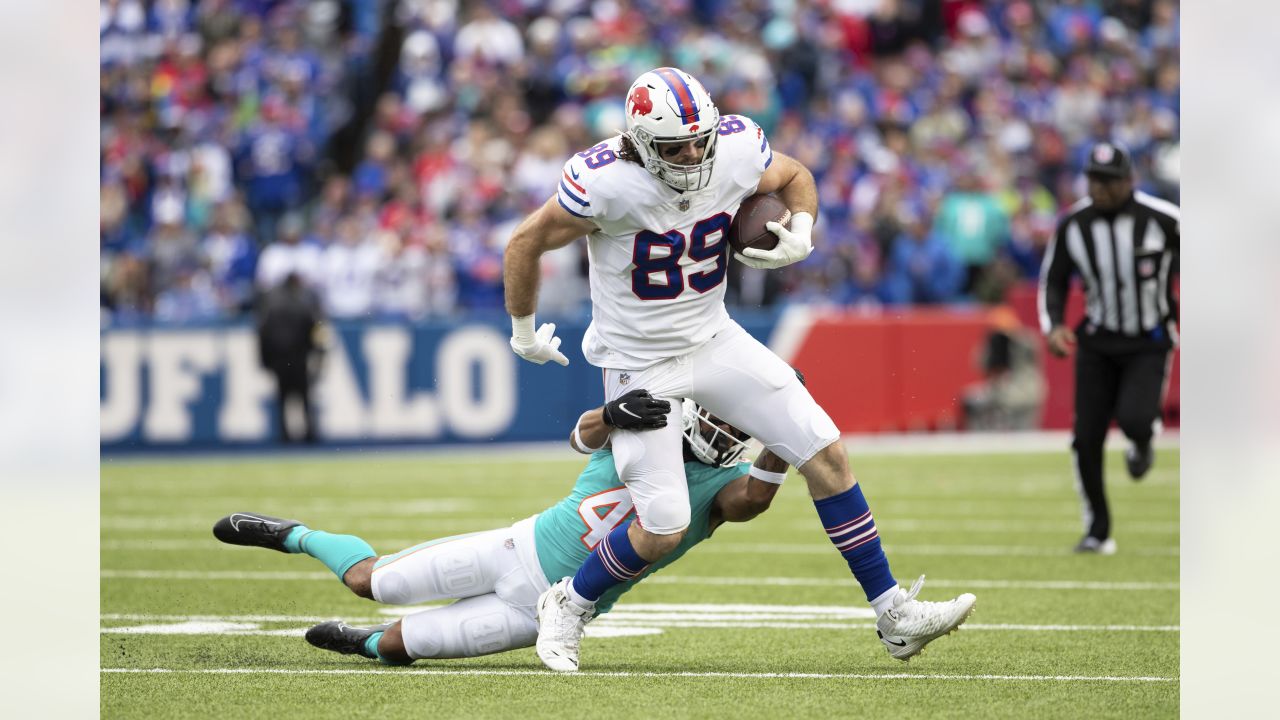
(628, 151)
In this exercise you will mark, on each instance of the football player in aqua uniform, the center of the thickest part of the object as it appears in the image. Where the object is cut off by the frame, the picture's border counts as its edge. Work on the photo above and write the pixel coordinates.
(497, 576)
(655, 203)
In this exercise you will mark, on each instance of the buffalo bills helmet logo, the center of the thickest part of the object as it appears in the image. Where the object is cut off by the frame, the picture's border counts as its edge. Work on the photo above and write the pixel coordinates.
(640, 102)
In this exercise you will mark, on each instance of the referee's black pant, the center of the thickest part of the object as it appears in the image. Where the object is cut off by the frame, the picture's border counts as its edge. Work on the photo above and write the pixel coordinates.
(1125, 387)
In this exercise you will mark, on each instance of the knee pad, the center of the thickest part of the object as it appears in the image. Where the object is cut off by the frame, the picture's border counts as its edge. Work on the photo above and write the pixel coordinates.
(447, 571)
(666, 514)
(457, 571)
(468, 628)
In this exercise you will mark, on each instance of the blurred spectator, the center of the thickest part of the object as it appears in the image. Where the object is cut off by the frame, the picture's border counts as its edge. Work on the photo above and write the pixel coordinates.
(231, 257)
(349, 270)
(272, 161)
(972, 223)
(922, 268)
(290, 256)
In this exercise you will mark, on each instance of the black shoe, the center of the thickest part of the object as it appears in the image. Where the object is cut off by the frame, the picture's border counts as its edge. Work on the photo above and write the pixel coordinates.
(340, 637)
(1139, 459)
(254, 530)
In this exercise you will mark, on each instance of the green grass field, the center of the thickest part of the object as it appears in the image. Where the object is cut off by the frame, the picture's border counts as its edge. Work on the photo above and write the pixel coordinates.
(194, 628)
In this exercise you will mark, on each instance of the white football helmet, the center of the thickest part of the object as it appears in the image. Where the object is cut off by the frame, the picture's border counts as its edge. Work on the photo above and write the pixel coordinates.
(668, 107)
(708, 437)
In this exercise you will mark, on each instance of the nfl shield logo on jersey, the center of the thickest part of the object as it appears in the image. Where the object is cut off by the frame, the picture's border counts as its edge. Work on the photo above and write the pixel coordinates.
(684, 204)
(624, 378)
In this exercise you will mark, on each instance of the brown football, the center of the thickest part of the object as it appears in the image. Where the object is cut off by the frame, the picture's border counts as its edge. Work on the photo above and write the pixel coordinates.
(747, 229)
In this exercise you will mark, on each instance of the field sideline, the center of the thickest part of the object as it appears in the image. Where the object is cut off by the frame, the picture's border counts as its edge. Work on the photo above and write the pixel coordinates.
(761, 621)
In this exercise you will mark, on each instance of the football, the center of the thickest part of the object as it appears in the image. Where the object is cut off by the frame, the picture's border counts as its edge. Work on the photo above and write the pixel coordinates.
(747, 229)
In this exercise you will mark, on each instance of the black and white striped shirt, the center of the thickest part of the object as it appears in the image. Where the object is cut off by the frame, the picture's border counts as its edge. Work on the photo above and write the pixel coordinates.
(1125, 260)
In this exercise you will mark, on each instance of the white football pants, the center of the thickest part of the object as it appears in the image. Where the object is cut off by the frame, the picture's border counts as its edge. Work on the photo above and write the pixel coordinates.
(494, 574)
(736, 378)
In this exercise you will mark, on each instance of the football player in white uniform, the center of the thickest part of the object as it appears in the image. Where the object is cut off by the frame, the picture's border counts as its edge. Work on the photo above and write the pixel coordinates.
(655, 203)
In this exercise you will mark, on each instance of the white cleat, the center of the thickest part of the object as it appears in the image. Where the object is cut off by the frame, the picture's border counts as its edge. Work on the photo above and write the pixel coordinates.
(560, 627)
(1090, 544)
(911, 624)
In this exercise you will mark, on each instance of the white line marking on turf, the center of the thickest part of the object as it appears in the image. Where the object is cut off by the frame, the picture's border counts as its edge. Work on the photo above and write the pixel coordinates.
(1047, 526)
(547, 673)
(633, 618)
(949, 550)
(964, 584)
(265, 575)
(213, 575)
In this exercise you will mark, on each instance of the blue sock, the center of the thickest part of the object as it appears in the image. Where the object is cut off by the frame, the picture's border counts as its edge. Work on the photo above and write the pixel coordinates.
(613, 562)
(848, 522)
(337, 552)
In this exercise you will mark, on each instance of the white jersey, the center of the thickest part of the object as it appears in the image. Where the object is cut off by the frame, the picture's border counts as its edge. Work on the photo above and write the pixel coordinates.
(659, 258)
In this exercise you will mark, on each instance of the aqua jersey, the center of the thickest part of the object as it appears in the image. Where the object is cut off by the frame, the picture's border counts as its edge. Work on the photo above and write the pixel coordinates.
(566, 533)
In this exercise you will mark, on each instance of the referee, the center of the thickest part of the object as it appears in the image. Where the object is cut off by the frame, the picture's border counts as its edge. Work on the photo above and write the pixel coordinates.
(1124, 246)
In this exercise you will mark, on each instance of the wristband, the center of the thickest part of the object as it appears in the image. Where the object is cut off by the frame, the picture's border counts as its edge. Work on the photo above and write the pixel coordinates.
(773, 478)
(522, 329)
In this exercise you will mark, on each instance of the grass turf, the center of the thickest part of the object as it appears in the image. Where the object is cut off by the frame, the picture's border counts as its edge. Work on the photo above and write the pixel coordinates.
(1002, 522)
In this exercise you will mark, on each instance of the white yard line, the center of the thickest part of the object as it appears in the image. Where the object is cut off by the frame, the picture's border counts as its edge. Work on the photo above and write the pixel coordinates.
(262, 575)
(816, 548)
(649, 617)
(391, 672)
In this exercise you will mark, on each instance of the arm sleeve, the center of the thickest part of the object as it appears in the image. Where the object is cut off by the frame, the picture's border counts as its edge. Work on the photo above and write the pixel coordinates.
(1055, 278)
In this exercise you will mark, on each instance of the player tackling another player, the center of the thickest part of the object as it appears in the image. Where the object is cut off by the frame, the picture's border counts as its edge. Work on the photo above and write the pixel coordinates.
(497, 576)
(655, 203)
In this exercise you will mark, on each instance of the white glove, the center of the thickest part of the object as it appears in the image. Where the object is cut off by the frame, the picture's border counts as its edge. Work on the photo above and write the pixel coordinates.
(536, 347)
(793, 245)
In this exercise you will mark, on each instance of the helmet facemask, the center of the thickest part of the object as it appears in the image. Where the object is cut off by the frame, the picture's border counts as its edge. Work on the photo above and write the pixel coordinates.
(695, 176)
(712, 440)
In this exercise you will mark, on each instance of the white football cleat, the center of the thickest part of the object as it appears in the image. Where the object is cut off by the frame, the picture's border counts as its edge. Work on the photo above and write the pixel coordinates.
(560, 626)
(911, 624)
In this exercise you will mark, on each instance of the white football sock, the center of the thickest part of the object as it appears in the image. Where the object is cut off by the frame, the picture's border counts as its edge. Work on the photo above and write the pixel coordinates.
(884, 601)
(577, 599)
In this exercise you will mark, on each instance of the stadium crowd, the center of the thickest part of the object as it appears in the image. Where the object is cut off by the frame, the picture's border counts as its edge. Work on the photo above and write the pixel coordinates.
(384, 150)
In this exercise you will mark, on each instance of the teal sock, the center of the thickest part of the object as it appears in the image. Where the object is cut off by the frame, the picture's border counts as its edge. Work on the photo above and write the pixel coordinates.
(371, 646)
(291, 540)
(337, 552)
(371, 650)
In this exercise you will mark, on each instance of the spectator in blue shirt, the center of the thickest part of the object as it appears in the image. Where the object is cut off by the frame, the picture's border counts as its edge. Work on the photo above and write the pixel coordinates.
(922, 267)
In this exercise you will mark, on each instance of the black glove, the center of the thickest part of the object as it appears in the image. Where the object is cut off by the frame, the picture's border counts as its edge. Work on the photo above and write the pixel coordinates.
(637, 410)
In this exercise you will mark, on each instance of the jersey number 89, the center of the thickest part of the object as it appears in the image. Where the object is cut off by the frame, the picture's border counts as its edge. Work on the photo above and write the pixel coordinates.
(658, 257)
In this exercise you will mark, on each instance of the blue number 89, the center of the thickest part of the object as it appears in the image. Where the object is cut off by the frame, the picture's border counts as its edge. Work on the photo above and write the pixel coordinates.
(598, 155)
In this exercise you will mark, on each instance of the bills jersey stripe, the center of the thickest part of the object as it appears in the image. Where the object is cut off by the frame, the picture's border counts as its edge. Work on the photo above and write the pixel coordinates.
(569, 194)
(684, 97)
(769, 162)
(576, 186)
(570, 210)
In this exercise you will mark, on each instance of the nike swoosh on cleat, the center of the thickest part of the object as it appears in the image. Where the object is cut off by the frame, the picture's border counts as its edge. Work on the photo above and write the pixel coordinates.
(623, 408)
(900, 643)
(236, 525)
